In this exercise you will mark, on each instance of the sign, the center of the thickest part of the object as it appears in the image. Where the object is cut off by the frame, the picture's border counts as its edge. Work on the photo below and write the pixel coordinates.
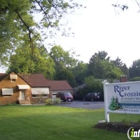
(122, 97)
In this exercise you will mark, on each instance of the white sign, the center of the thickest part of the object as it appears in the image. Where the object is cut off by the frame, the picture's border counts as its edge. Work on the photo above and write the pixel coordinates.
(122, 98)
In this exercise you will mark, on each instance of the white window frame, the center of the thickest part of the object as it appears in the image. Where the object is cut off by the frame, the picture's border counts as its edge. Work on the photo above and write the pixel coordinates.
(7, 92)
(38, 91)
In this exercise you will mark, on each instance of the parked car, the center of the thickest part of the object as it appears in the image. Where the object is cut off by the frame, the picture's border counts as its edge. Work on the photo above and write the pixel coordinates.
(65, 96)
(92, 97)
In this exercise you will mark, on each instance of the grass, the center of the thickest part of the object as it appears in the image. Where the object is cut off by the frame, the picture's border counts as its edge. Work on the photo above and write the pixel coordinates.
(56, 123)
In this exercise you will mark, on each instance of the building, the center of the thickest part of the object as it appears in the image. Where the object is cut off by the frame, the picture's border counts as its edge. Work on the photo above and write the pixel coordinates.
(23, 88)
(59, 85)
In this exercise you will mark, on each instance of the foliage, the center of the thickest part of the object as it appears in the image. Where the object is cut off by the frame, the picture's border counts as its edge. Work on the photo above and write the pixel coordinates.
(23, 61)
(134, 70)
(118, 63)
(90, 81)
(18, 25)
(80, 72)
(135, 79)
(81, 93)
(62, 58)
(64, 62)
(65, 74)
(57, 101)
(101, 67)
(92, 85)
(51, 101)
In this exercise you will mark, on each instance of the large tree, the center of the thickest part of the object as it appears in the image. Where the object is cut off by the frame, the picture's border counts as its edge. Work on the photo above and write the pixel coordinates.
(17, 23)
(80, 72)
(118, 63)
(64, 63)
(101, 67)
(63, 58)
(134, 70)
(23, 61)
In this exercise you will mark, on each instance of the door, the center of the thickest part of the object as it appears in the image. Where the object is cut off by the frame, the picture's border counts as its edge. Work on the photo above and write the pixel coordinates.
(22, 95)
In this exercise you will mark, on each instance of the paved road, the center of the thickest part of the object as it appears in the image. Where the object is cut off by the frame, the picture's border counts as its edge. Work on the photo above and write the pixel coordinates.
(84, 104)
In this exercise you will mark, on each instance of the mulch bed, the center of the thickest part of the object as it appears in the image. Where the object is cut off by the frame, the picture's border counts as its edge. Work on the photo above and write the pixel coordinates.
(121, 127)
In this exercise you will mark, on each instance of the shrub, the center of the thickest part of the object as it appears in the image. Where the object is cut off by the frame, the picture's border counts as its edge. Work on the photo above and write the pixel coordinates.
(49, 101)
(57, 100)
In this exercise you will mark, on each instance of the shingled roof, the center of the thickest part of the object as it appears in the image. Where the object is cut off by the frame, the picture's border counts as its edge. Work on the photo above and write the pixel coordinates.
(59, 85)
(38, 80)
(2, 75)
(35, 80)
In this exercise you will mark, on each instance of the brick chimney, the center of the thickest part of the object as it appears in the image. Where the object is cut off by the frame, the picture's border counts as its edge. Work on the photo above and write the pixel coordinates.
(123, 78)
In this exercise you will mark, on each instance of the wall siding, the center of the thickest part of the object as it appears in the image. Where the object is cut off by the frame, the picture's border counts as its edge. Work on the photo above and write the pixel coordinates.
(7, 83)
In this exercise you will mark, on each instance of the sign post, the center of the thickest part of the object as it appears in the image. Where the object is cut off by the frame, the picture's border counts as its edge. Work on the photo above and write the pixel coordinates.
(105, 101)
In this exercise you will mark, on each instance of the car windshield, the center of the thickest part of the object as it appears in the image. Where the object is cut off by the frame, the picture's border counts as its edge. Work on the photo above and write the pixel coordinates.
(67, 94)
(89, 94)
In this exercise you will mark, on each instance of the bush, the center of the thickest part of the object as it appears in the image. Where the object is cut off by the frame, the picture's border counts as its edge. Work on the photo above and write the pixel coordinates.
(57, 101)
(51, 101)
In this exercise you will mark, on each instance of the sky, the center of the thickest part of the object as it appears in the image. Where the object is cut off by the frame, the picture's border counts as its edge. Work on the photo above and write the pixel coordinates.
(98, 27)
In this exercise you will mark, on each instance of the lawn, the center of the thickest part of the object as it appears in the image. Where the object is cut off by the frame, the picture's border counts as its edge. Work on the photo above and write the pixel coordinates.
(56, 123)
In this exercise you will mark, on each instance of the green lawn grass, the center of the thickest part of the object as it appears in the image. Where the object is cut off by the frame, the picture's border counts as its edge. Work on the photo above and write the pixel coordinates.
(56, 123)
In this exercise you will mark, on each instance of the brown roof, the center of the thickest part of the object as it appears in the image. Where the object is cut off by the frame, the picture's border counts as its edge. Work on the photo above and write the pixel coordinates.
(2, 75)
(35, 80)
(38, 80)
(59, 85)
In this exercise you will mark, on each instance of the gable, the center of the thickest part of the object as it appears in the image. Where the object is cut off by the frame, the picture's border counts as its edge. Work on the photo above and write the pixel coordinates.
(11, 78)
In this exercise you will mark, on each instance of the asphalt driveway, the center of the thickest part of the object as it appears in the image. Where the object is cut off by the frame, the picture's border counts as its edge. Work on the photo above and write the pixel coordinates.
(84, 104)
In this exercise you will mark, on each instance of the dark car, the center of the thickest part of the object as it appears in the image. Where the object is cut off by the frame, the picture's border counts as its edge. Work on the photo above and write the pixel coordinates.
(65, 96)
(92, 97)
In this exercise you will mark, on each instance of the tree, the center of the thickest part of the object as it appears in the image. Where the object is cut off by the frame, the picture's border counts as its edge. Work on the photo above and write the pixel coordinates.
(17, 23)
(65, 74)
(102, 67)
(94, 84)
(121, 6)
(39, 62)
(80, 72)
(134, 70)
(118, 63)
(102, 55)
(62, 58)
(64, 62)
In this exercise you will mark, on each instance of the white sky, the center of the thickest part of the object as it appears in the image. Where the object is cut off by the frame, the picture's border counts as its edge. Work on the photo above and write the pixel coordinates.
(98, 28)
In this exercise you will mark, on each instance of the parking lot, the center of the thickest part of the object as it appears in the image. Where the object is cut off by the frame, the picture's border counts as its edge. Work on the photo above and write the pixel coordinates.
(84, 104)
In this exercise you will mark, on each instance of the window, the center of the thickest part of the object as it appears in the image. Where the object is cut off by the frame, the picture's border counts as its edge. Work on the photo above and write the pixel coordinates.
(39, 96)
(7, 92)
(40, 92)
(13, 77)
